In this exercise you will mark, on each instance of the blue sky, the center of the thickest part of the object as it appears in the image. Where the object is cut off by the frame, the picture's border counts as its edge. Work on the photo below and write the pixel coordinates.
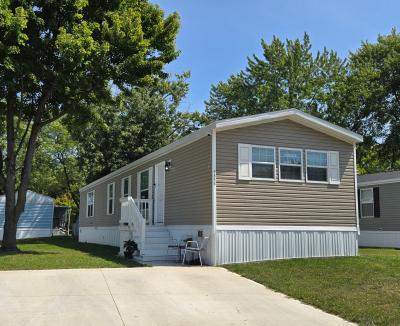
(217, 36)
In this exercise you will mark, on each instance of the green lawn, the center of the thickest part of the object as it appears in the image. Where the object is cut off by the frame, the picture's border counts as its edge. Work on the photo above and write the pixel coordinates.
(364, 289)
(62, 252)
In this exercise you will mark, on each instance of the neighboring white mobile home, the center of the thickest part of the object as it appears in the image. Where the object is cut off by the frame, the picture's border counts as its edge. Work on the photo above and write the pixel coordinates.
(270, 186)
(379, 207)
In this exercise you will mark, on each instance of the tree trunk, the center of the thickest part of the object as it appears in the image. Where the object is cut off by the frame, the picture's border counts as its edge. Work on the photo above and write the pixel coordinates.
(11, 219)
(9, 242)
(10, 232)
(15, 204)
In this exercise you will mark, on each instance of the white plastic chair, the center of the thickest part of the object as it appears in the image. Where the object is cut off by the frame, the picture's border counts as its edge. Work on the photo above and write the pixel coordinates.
(193, 246)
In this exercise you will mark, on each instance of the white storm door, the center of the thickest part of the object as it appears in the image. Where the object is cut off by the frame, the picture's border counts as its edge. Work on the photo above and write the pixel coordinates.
(159, 193)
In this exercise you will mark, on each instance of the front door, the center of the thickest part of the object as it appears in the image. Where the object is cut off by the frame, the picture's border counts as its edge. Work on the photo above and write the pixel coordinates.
(159, 193)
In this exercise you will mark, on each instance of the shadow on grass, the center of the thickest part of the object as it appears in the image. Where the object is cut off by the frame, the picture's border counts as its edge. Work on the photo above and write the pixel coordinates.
(27, 252)
(67, 242)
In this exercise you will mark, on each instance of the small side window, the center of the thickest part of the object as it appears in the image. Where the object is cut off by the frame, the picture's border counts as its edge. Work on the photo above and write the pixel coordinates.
(110, 198)
(367, 202)
(126, 187)
(90, 204)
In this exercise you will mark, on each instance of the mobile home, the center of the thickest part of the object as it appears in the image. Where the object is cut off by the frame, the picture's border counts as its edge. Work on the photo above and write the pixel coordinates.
(269, 186)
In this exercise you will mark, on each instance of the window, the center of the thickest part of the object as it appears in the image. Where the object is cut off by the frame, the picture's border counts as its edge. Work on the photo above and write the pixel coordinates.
(256, 162)
(290, 164)
(323, 166)
(144, 184)
(126, 187)
(263, 162)
(367, 202)
(110, 198)
(317, 166)
(90, 203)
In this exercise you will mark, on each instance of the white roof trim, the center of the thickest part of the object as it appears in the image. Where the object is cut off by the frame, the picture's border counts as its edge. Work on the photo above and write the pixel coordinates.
(378, 182)
(196, 135)
(297, 116)
(221, 125)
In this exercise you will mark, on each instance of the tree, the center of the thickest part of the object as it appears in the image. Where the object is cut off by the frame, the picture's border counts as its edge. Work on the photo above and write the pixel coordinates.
(288, 76)
(60, 58)
(373, 91)
(361, 93)
(55, 169)
(133, 125)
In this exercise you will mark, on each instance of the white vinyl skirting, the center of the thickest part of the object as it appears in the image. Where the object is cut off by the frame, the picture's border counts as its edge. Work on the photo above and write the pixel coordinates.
(383, 239)
(236, 246)
(107, 235)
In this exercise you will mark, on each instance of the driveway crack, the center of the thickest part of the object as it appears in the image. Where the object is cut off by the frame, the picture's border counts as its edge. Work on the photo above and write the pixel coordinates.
(109, 291)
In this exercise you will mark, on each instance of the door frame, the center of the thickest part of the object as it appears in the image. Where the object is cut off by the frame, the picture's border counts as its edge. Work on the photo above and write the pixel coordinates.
(157, 220)
(150, 217)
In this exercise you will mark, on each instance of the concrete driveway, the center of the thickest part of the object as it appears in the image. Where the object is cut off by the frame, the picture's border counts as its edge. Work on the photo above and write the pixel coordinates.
(147, 296)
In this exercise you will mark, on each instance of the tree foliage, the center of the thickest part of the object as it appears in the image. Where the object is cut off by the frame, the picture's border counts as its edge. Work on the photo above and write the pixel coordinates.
(59, 58)
(374, 98)
(361, 93)
(56, 170)
(288, 75)
(133, 125)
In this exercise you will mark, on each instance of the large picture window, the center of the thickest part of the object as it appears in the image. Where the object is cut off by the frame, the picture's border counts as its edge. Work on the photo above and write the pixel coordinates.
(90, 204)
(367, 202)
(110, 198)
(317, 166)
(290, 164)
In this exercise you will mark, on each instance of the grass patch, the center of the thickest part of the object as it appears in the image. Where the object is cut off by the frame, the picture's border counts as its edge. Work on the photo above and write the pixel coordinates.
(62, 252)
(363, 289)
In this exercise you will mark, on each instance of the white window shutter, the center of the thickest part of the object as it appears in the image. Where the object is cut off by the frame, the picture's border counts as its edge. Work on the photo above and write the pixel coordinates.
(244, 159)
(333, 168)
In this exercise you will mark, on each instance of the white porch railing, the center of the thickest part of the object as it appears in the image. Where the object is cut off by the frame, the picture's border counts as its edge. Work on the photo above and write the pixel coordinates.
(131, 215)
(146, 209)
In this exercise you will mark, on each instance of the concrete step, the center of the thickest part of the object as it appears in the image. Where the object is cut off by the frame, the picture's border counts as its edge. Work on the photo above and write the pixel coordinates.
(156, 227)
(157, 233)
(158, 252)
(165, 241)
(158, 246)
(144, 259)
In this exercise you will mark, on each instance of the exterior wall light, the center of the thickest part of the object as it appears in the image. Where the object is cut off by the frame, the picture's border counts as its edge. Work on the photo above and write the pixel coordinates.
(168, 165)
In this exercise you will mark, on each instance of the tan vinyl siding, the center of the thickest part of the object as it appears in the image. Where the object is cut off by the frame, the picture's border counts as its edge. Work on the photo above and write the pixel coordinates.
(257, 202)
(187, 188)
(389, 198)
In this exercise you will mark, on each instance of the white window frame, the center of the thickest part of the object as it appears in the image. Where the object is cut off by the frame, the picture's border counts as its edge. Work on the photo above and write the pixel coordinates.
(111, 198)
(250, 162)
(129, 186)
(87, 203)
(266, 163)
(150, 189)
(286, 164)
(369, 202)
(317, 166)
